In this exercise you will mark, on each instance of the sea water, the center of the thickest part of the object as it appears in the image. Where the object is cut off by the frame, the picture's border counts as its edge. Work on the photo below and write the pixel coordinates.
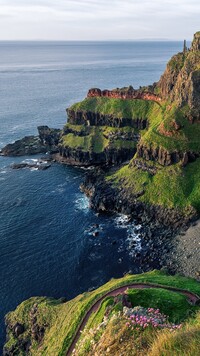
(47, 245)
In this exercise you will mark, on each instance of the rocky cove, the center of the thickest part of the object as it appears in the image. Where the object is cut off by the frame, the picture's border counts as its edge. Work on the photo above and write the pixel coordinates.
(142, 148)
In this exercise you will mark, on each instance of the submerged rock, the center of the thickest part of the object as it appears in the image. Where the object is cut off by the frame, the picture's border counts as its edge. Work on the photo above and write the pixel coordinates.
(39, 166)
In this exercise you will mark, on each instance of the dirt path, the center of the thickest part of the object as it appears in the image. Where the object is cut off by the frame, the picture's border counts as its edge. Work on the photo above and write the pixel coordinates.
(191, 297)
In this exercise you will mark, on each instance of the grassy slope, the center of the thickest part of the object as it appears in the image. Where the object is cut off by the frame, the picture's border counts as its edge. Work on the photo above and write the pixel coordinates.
(172, 186)
(185, 139)
(96, 139)
(63, 318)
(117, 339)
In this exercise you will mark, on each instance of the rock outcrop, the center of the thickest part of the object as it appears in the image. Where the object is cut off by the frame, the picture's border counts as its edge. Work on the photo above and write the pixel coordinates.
(89, 118)
(46, 141)
(107, 199)
(181, 80)
(108, 157)
(125, 93)
(164, 157)
(29, 145)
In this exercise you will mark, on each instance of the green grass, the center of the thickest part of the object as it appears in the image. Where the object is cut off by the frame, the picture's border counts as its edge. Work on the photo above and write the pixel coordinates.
(63, 318)
(170, 303)
(97, 139)
(96, 318)
(171, 187)
(119, 108)
(181, 342)
(185, 139)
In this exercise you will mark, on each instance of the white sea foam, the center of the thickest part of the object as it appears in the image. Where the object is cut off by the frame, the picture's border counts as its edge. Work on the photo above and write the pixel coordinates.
(33, 169)
(82, 203)
(3, 172)
(122, 221)
(133, 240)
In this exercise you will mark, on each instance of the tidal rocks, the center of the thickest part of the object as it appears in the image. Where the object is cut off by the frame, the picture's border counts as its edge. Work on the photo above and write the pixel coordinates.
(39, 166)
(29, 145)
(106, 198)
(47, 141)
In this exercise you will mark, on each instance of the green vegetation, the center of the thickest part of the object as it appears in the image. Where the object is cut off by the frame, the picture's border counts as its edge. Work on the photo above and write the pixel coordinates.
(97, 318)
(62, 319)
(181, 342)
(120, 108)
(172, 186)
(170, 303)
(98, 138)
(161, 117)
(176, 63)
(116, 338)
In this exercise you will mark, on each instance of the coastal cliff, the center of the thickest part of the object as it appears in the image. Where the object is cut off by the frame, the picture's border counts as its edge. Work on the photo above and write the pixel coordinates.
(150, 135)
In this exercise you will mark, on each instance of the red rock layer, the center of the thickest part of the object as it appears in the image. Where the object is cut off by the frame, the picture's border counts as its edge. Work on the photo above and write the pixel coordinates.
(123, 94)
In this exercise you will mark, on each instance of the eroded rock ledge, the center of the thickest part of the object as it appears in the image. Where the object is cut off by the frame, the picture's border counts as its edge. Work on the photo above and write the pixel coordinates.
(125, 93)
(46, 141)
(105, 198)
(89, 118)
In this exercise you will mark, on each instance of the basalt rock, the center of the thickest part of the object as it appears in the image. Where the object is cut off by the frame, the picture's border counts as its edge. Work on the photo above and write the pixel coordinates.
(89, 118)
(39, 166)
(105, 198)
(47, 141)
(78, 157)
(29, 145)
(49, 137)
(164, 157)
(180, 82)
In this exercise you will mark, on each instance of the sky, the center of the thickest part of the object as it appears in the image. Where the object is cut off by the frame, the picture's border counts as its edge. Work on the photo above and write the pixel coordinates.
(98, 19)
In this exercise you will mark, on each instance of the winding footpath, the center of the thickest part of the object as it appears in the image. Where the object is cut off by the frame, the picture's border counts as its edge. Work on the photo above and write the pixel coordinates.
(191, 297)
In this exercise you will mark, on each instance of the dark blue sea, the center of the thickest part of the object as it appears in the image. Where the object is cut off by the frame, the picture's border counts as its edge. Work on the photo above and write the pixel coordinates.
(47, 245)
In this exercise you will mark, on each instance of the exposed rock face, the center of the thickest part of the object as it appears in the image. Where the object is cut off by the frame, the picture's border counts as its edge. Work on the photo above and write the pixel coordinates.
(181, 80)
(39, 166)
(49, 137)
(164, 157)
(78, 157)
(29, 145)
(124, 93)
(47, 141)
(98, 119)
(105, 198)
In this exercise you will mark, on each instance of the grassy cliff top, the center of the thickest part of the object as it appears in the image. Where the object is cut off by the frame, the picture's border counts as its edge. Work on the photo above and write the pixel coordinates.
(121, 108)
(162, 118)
(61, 319)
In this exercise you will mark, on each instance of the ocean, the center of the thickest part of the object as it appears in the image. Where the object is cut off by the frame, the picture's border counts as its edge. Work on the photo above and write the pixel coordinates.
(47, 245)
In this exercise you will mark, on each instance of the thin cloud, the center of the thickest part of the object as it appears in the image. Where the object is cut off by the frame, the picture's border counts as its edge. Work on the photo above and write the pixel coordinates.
(92, 19)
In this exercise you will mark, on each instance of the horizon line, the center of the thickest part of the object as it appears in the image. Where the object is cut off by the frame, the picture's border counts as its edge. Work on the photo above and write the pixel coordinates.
(89, 40)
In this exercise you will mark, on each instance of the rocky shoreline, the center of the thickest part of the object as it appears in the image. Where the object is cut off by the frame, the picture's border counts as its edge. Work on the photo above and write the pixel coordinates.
(166, 235)
(164, 231)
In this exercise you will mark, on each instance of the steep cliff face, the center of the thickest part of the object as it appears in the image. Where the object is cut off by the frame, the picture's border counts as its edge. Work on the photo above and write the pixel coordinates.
(181, 80)
(98, 119)
(164, 157)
